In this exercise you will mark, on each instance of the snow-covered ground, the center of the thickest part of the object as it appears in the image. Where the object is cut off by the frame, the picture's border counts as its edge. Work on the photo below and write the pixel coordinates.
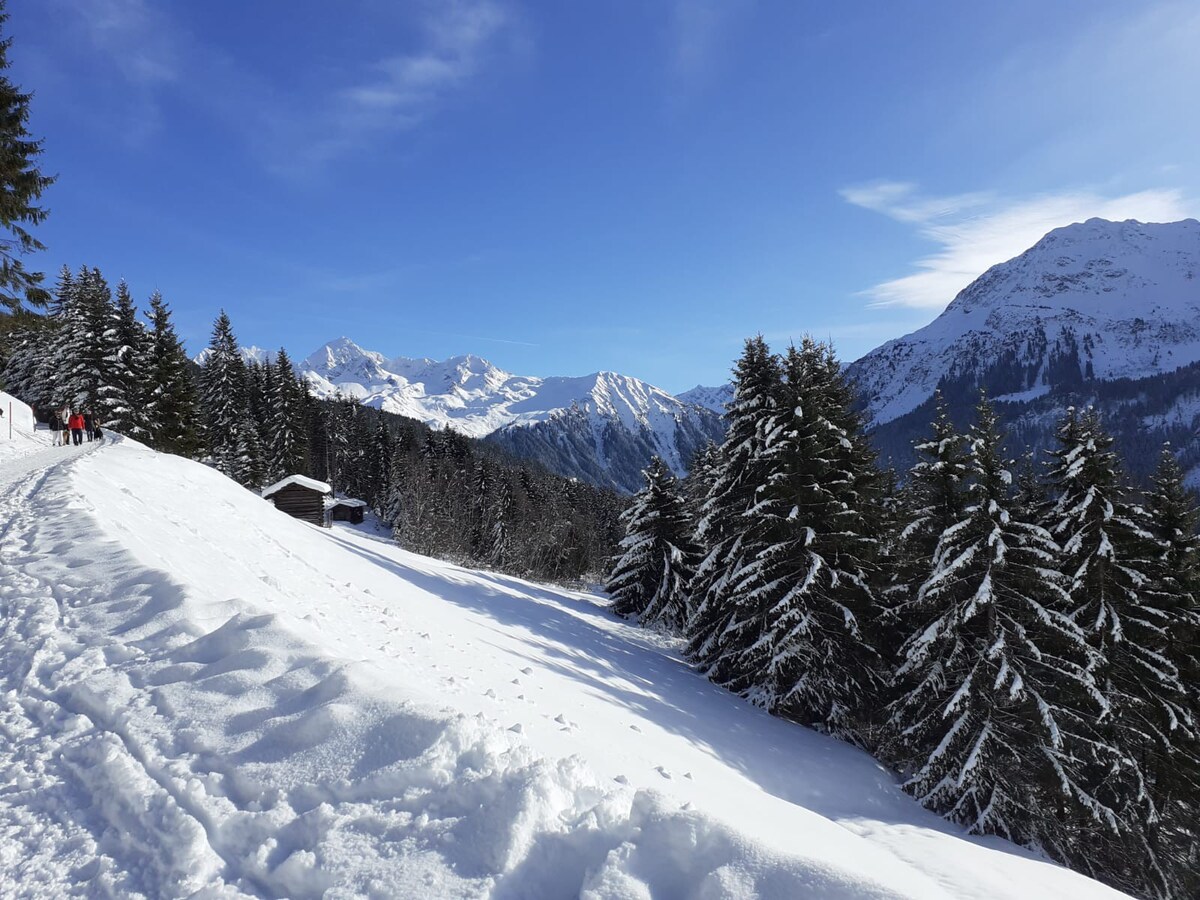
(199, 694)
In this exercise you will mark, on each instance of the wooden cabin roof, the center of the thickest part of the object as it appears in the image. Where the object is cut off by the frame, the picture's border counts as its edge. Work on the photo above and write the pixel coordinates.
(299, 481)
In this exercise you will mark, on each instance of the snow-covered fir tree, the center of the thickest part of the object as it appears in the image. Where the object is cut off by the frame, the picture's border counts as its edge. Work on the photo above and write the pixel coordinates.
(721, 531)
(1108, 559)
(1174, 769)
(83, 349)
(649, 581)
(800, 590)
(123, 399)
(991, 679)
(287, 432)
(230, 434)
(170, 400)
(933, 499)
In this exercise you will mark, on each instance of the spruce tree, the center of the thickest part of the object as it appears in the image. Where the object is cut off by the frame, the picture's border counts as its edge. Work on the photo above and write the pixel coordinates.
(932, 501)
(649, 582)
(83, 350)
(802, 600)
(232, 438)
(123, 397)
(1108, 557)
(1175, 581)
(21, 186)
(170, 399)
(287, 432)
(995, 677)
(721, 531)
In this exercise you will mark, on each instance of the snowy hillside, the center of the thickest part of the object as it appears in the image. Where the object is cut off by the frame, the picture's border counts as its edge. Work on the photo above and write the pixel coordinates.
(1103, 300)
(612, 423)
(212, 698)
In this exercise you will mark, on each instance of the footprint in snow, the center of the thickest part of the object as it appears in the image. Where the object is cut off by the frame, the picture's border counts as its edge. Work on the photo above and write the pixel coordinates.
(688, 776)
(635, 728)
(490, 693)
(527, 671)
(515, 681)
(518, 728)
(621, 779)
(560, 719)
(663, 772)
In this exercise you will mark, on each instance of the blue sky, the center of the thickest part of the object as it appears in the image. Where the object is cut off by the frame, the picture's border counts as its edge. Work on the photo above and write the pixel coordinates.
(572, 185)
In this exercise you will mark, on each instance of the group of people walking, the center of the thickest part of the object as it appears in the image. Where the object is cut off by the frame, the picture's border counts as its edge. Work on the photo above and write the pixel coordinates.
(70, 426)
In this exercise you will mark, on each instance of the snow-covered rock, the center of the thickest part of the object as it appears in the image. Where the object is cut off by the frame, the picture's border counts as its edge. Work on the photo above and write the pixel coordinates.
(1098, 299)
(601, 427)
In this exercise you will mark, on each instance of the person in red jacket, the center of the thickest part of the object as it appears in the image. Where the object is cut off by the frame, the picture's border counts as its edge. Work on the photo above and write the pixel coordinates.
(75, 423)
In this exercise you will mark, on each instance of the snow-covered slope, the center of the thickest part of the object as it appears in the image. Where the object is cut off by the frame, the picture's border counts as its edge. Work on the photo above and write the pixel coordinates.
(1099, 299)
(212, 698)
(612, 422)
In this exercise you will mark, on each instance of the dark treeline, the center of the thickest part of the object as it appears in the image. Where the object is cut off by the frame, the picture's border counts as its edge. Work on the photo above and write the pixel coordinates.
(444, 494)
(1018, 641)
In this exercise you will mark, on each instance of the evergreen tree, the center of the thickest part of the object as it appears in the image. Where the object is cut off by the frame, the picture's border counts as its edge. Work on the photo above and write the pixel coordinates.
(83, 349)
(233, 442)
(1108, 557)
(649, 581)
(286, 416)
(720, 532)
(1175, 581)
(932, 501)
(170, 399)
(991, 679)
(802, 599)
(21, 185)
(124, 396)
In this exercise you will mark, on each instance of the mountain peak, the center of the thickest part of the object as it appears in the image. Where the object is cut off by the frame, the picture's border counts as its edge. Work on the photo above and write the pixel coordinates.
(1115, 299)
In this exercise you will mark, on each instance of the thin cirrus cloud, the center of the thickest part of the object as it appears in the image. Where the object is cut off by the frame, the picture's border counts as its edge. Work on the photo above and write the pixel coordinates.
(978, 230)
(402, 91)
(296, 131)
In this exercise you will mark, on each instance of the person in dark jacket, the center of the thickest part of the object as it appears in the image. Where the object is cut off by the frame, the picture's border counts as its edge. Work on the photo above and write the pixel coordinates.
(89, 425)
(75, 423)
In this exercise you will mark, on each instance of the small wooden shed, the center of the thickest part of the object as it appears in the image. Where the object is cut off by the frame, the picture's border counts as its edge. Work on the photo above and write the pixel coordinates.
(300, 497)
(345, 509)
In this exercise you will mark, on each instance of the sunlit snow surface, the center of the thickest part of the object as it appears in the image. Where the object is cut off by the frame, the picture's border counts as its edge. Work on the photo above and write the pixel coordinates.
(200, 694)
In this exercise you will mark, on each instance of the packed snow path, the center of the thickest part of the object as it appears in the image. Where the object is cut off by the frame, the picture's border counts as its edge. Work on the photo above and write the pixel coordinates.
(199, 695)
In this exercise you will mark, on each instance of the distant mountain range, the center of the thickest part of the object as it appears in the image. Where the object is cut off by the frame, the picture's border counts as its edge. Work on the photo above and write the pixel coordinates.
(1096, 313)
(602, 427)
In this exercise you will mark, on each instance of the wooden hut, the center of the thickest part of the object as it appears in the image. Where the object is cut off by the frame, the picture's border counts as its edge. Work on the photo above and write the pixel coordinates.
(344, 509)
(300, 497)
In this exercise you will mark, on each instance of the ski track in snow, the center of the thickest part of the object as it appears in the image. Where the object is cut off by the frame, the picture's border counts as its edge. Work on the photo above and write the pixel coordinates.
(202, 697)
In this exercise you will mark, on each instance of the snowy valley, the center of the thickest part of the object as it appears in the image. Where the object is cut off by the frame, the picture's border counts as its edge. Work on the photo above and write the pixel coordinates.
(208, 696)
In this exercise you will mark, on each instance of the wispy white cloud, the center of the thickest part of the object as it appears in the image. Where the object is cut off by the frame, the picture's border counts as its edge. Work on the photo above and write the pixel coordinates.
(975, 231)
(135, 34)
(401, 91)
(698, 31)
(298, 128)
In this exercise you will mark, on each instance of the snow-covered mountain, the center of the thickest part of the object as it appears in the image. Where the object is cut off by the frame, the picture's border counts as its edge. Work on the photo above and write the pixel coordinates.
(714, 398)
(1089, 310)
(601, 427)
